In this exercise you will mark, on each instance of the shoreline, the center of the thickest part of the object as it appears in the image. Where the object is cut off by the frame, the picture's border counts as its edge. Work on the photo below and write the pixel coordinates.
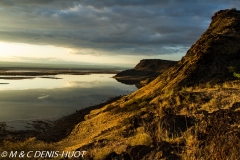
(51, 130)
(48, 130)
(55, 72)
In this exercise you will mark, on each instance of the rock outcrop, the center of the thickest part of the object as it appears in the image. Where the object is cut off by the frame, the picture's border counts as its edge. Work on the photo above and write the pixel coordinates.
(146, 69)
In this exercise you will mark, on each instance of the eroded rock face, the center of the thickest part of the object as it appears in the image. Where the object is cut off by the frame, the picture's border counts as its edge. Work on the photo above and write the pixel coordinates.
(216, 55)
(146, 68)
(154, 65)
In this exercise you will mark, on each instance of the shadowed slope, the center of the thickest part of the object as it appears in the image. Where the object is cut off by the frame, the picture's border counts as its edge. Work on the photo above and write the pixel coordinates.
(213, 58)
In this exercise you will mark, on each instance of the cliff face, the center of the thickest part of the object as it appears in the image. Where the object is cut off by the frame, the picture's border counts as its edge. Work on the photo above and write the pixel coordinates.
(146, 68)
(154, 65)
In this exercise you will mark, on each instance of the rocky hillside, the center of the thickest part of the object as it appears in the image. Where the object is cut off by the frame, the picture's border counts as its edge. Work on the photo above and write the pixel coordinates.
(212, 59)
(191, 111)
(146, 68)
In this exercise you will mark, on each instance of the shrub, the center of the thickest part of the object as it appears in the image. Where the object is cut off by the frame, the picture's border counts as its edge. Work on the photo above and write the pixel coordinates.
(143, 104)
(130, 102)
(237, 75)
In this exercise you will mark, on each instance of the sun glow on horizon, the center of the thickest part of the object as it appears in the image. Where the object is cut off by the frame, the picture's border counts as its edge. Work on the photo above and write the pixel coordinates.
(20, 52)
(29, 50)
(47, 54)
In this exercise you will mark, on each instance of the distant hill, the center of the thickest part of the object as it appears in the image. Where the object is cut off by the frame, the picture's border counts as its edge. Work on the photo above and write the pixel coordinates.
(146, 68)
(154, 65)
(81, 66)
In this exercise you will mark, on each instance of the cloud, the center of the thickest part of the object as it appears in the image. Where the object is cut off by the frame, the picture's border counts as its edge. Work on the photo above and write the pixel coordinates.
(136, 27)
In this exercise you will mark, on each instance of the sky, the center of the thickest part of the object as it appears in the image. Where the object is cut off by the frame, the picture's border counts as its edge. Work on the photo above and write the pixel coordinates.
(107, 32)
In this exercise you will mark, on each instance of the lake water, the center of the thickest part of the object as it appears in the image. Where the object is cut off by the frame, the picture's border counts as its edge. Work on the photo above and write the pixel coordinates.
(39, 98)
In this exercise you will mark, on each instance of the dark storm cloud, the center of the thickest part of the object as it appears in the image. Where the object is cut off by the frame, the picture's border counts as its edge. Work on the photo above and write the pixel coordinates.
(122, 27)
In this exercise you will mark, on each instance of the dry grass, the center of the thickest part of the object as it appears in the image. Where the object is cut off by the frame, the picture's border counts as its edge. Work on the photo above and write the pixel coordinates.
(211, 98)
(141, 138)
(219, 146)
(139, 122)
(30, 144)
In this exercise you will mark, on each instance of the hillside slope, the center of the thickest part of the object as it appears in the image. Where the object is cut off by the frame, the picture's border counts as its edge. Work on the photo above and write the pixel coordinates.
(182, 113)
(212, 59)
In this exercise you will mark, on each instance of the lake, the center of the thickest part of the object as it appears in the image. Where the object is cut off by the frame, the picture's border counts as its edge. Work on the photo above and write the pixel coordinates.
(29, 98)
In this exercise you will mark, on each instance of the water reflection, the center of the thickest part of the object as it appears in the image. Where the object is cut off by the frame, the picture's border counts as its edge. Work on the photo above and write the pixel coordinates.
(46, 97)
(131, 82)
